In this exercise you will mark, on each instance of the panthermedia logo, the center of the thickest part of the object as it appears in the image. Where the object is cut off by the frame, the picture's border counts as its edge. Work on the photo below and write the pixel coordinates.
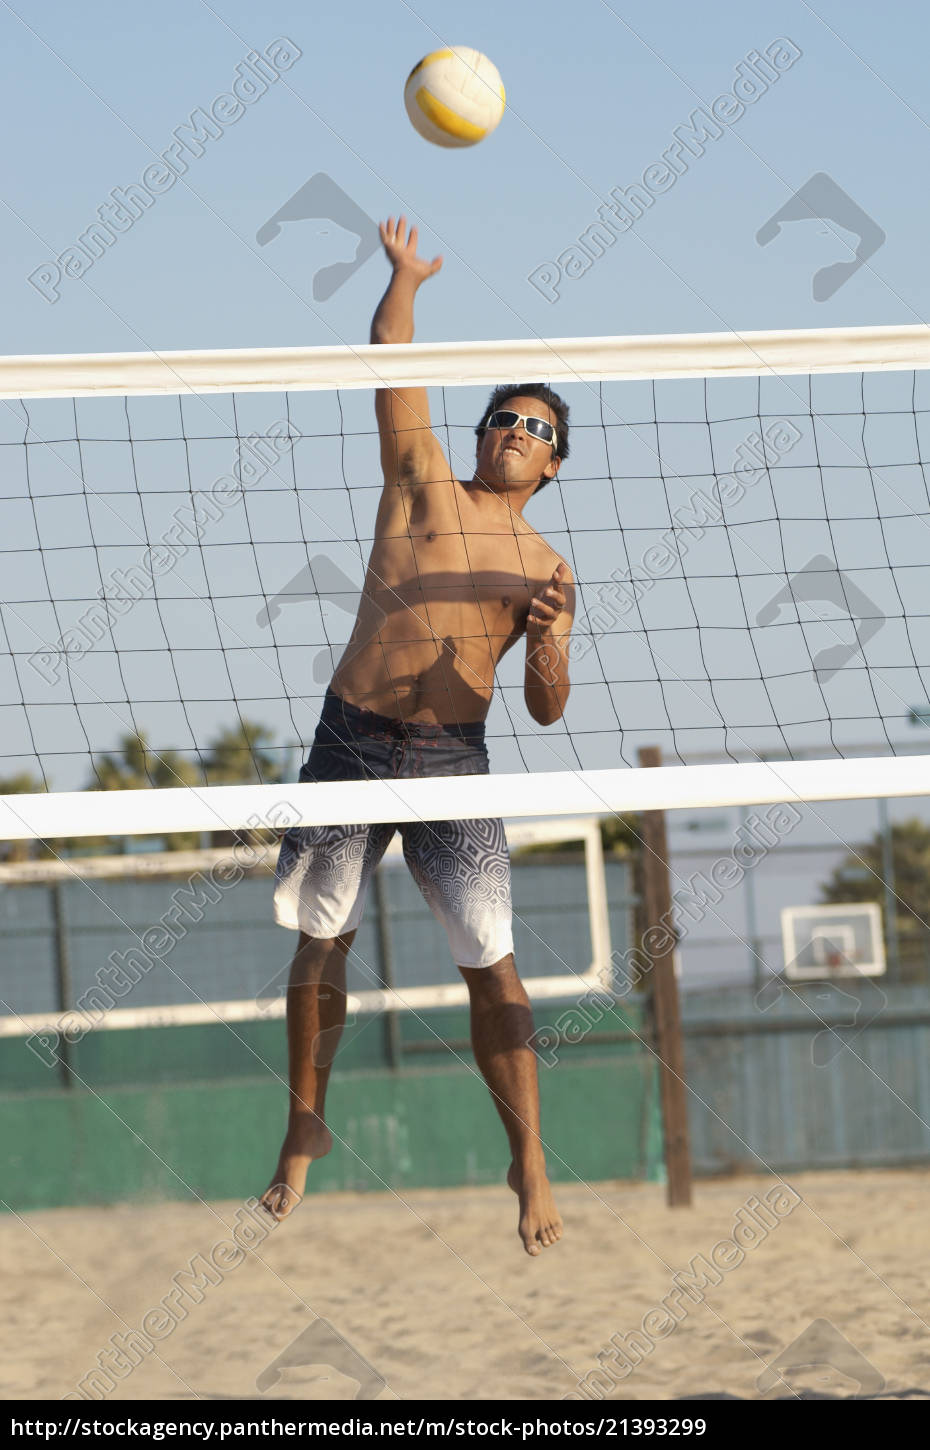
(329, 1357)
(322, 199)
(323, 580)
(821, 582)
(822, 199)
(822, 1354)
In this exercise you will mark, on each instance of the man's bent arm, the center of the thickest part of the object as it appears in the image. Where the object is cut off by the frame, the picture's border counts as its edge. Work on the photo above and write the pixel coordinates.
(546, 685)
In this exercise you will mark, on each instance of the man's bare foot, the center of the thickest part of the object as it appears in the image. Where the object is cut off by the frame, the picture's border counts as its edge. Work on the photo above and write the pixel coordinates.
(301, 1145)
(540, 1225)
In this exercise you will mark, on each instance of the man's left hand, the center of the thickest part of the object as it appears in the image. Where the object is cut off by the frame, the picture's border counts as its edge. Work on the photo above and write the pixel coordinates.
(547, 606)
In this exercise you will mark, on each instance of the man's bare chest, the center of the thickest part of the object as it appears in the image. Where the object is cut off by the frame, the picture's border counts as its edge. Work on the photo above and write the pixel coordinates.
(493, 568)
(463, 568)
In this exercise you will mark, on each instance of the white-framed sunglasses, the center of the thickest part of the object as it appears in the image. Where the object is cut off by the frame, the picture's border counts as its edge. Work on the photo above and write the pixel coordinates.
(536, 427)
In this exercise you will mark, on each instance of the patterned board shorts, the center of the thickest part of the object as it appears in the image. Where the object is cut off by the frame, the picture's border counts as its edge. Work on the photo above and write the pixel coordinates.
(461, 867)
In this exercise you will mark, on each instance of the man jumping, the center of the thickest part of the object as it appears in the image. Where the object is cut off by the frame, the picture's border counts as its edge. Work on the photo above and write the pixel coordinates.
(456, 576)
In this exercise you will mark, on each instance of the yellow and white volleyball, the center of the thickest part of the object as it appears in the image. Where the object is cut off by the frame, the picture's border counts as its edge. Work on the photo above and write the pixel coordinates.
(455, 97)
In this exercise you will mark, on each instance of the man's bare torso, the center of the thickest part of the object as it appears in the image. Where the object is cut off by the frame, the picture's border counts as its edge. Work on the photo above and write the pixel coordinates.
(447, 592)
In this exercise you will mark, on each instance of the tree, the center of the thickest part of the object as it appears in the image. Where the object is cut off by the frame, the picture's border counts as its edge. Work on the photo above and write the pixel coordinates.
(236, 755)
(240, 754)
(619, 837)
(861, 877)
(134, 765)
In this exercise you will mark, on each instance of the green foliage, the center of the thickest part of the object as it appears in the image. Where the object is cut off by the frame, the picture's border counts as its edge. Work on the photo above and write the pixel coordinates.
(135, 766)
(23, 783)
(239, 755)
(621, 834)
(861, 877)
(619, 837)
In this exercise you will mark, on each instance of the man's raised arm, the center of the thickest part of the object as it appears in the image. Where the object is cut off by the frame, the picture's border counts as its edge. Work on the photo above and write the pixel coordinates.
(410, 453)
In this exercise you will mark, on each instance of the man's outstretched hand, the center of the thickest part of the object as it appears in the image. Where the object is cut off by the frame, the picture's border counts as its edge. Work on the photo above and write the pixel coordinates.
(402, 250)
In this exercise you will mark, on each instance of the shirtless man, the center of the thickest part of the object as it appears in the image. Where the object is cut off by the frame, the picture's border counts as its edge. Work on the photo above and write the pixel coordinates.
(456, 577)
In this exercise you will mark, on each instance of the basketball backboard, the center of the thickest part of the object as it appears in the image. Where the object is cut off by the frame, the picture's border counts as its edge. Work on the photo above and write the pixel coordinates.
(823, 942)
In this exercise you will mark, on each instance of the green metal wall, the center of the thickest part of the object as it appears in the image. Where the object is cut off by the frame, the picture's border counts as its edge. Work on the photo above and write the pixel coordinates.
(820, 1075)
(211, 1102)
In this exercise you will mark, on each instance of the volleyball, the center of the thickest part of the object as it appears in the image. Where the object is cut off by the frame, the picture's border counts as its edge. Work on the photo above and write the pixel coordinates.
(455, 97)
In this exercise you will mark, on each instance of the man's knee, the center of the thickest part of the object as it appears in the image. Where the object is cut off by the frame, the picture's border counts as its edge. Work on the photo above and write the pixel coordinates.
(319, 956)
(492, 978)
(325, 944)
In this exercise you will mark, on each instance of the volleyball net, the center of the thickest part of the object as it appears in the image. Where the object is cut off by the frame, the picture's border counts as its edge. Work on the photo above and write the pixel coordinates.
(185, 538)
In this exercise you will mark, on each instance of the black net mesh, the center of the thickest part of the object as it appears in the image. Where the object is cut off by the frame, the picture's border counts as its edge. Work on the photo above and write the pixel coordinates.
(180, 575)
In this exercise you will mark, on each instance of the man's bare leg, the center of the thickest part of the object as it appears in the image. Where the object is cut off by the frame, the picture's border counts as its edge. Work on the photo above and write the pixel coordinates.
(316, 1014)
(501, 1026)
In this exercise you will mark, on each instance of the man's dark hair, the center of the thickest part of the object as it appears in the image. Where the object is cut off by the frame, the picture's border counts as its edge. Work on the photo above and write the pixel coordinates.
(544, 393)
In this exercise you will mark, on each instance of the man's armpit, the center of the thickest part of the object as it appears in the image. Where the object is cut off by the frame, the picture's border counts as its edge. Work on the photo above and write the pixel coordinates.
(419, 467)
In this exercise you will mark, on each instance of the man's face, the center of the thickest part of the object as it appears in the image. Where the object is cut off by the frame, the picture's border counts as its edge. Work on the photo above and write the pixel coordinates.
(511, 456)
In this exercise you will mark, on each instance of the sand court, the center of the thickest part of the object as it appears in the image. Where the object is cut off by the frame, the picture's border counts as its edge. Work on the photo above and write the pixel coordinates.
(432, 1296)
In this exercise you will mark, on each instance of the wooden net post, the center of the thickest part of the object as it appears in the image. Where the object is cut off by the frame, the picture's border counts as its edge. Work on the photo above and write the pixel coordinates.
(666, 1009)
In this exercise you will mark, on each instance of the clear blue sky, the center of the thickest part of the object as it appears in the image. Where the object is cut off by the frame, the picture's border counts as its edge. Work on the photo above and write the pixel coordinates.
(595, 91)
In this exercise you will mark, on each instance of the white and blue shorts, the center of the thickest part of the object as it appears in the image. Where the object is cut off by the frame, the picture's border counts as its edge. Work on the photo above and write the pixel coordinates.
(461, 867)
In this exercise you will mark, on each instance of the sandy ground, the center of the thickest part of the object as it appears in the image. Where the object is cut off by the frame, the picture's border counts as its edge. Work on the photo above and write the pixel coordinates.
(434, 1292)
